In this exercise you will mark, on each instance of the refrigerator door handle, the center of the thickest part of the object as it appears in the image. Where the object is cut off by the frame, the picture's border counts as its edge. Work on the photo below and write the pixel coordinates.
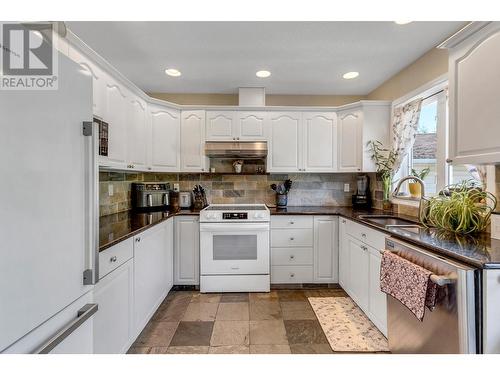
(91, 135)
(82, 316)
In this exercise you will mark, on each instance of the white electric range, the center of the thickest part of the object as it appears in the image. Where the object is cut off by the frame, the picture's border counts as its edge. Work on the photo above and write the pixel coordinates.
(234, 248)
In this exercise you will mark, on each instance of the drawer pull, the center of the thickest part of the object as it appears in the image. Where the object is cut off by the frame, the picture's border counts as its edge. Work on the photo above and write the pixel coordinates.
(363, 235)
(292, 275)
(138, 239)
(291, 223)
(113, 259)
(291, 238)
(292, 257)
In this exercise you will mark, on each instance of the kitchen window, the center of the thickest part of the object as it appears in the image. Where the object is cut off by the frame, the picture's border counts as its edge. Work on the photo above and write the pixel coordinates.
(430, 149)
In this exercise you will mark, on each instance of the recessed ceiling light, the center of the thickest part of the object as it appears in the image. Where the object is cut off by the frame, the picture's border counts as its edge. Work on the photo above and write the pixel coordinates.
(402, 22)
(173, 72)
(350, 75)
(263, 73)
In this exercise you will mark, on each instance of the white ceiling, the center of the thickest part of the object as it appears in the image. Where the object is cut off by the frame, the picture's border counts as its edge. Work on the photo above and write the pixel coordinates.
(303, 57)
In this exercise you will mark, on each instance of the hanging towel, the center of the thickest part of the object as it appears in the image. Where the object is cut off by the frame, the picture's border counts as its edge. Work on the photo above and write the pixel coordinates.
(407, 282)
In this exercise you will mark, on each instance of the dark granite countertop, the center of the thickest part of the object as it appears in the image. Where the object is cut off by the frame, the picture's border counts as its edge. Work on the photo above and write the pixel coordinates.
(479, 250)
(117, 227)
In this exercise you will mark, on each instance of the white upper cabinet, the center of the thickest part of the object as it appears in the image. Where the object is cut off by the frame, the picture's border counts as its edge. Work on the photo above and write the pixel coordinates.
(116, 117)
(193, 141)
(220, 126)
(474, 94)
(165, 139)
(284, 154)
(99, 79)
(320, 141)
(350, 140)
(251, 126)
(137, 134)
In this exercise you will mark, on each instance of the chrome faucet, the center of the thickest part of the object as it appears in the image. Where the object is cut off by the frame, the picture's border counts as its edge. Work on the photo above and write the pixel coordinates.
(422, 193)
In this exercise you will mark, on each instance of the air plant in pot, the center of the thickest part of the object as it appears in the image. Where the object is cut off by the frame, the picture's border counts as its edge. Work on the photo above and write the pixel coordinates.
(463, 208)
(415, 187)
(282, 192)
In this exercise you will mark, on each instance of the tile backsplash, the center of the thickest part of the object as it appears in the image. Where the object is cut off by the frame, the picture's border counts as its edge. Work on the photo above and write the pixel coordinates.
(308, 189)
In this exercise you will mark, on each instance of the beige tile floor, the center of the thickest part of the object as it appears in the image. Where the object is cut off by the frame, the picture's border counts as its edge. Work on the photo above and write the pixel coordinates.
(279, 322)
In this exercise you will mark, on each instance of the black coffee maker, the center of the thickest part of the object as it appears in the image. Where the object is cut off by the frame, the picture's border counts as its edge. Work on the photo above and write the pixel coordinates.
(363, 198)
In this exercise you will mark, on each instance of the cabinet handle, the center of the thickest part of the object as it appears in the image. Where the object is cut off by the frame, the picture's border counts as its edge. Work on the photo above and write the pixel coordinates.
(343, 221)
(238, 138)
(291, 222)
(292, 257)
(138, 239)
(449, 161)
(291, 238)
(363, 235)
(149, 168)
(292, 275)
(113, 259)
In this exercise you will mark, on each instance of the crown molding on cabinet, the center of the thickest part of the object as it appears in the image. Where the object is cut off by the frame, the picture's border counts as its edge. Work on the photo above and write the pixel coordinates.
(462, 34)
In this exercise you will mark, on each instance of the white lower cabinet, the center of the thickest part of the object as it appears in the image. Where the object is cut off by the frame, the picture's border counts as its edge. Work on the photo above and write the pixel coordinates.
(187, 250)
(326, 266)
(359, 269)
(151, 272)
(113, 322)
(304, 249)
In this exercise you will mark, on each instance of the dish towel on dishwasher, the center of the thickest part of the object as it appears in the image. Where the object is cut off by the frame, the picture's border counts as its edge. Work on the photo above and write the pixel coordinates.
(409, 283)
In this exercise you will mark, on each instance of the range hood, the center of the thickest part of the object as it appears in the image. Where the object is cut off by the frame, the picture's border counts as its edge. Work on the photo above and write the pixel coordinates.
(241, 150)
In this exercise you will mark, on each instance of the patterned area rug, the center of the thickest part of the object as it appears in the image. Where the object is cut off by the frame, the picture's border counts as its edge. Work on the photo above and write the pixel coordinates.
(346, 327)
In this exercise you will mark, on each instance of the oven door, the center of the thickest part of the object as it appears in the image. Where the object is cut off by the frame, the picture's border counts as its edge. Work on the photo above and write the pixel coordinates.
(234, 248)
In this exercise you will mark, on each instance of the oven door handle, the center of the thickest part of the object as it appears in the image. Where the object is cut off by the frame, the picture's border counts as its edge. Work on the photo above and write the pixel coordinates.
(240, 227)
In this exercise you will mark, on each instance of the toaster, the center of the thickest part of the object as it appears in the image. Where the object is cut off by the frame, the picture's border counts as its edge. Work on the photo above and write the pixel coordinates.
(150, 195)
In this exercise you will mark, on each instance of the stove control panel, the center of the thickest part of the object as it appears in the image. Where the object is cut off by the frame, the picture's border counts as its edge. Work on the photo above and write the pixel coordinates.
(235, 215)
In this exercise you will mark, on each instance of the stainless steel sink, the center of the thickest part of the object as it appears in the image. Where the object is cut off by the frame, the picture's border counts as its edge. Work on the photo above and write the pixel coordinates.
(389, 221)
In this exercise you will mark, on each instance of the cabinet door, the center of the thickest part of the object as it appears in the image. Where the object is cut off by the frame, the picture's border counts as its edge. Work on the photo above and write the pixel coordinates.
(350, 141)
(117, 124)
(187, 251)
(326, 249)
(251, 126)
(358, 273)
(137, 132)
(474, 96)
(113, 322)
(165, 139)
(150, 276)
(377, 299)
(170, 254)
(285, 150)
(320, 142)
(344, 266)
(98, 82)
(193, 141)
(220, 126)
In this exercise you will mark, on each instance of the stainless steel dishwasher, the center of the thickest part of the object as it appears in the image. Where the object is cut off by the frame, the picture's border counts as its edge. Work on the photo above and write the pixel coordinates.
(451, 327)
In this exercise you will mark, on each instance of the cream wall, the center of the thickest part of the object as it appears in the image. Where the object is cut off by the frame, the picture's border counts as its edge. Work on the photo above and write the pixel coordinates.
(271, 100)
(431, 65)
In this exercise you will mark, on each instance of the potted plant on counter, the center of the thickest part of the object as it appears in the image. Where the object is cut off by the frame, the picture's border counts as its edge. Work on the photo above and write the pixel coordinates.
(415, 187)
(385, 161)
(282, 192)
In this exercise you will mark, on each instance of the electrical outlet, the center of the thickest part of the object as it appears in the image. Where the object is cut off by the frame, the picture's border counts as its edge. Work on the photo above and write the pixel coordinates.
(347, 188)
(110, 190)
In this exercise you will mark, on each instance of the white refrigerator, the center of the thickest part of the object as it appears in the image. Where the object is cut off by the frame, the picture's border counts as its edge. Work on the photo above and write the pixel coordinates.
(48, 216)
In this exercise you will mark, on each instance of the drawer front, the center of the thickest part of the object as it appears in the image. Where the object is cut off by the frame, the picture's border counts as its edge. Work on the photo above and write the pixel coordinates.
(291, 237)
(291, 256)
(367, 235)
(115, 256)
(291, 274)
(288, 222)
